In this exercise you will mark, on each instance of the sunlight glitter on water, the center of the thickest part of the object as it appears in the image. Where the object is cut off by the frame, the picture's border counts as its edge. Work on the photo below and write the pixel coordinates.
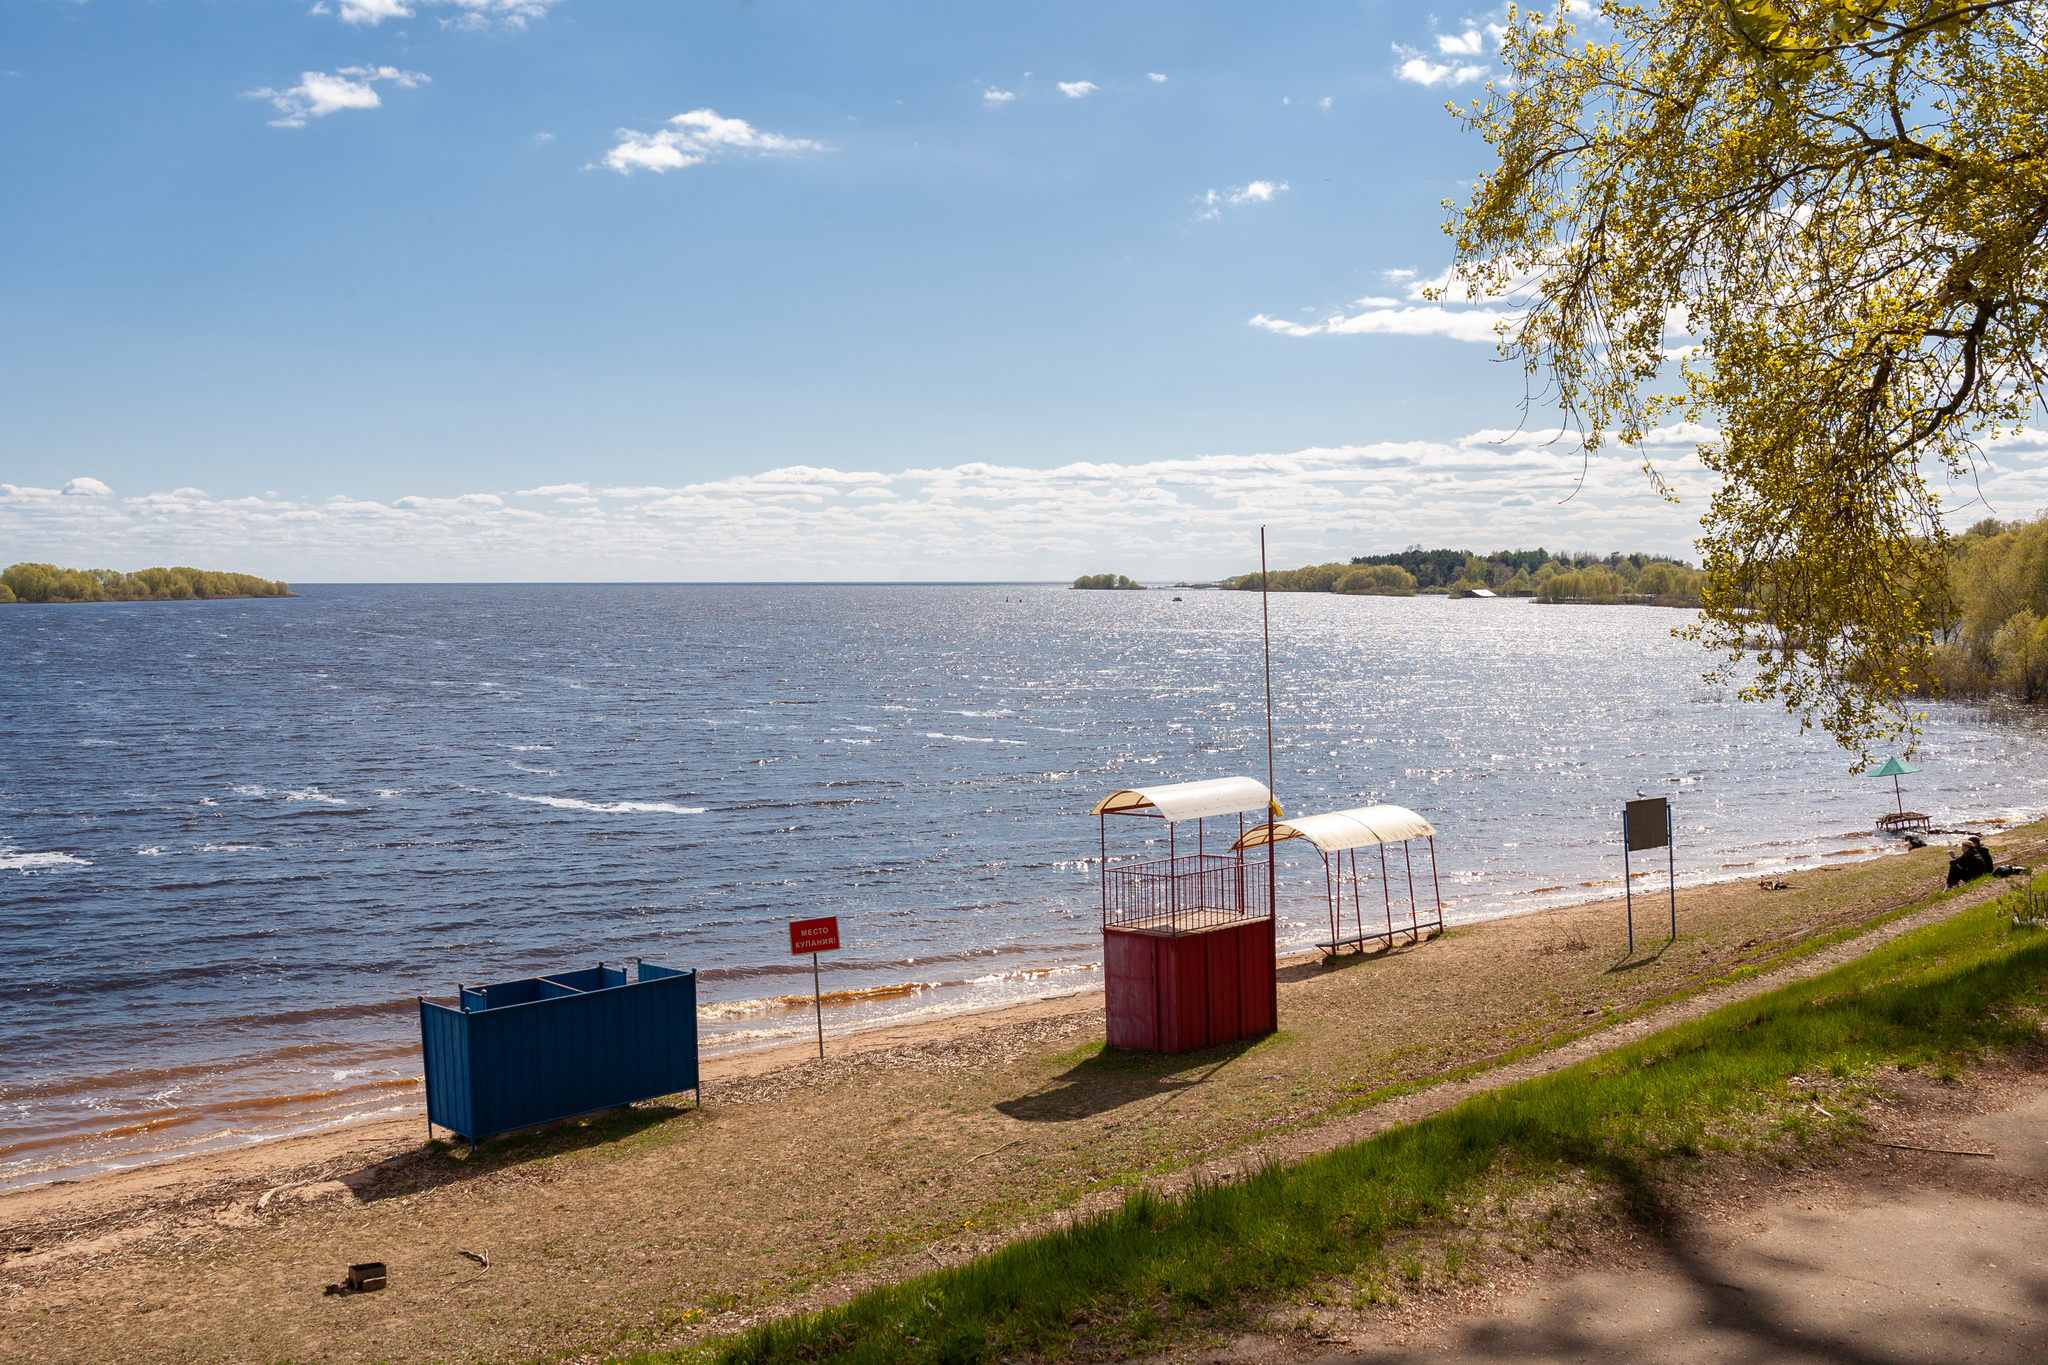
(320, 786)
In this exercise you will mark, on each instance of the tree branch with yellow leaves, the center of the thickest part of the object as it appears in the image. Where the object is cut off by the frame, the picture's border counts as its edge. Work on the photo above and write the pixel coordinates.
(1847, 202)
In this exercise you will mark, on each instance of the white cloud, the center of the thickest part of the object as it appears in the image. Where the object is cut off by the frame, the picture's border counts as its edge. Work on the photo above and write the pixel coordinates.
(696, 137)
(467, 500)
(1477, 324)
(1074, 90)
(318, 94)
(995, 96)
(1325, 102)
(1168, 518)
(1451, 314)
(1257, 192)
(1456, 48)
(368, 11)
(1420, 70)
(467, 13)
(1156, 77)
(87, 488)
(555, 490)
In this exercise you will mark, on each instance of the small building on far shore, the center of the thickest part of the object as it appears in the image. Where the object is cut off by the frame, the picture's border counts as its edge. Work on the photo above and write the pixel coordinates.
(1478, 592)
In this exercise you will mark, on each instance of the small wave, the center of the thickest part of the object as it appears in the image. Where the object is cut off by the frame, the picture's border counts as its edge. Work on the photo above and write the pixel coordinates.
(112, 743)
(151, 852)
(768, 1004)
(13, 860)
(608, 807)
(971, 739)
(314, 794)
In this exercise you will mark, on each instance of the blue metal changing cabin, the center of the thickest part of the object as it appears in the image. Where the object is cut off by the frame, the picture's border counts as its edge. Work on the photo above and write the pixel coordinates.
(551, 1047)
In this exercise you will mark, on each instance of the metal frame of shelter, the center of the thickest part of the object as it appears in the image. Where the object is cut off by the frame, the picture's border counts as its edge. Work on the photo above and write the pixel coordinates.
(1184, 892)
(1340, 833)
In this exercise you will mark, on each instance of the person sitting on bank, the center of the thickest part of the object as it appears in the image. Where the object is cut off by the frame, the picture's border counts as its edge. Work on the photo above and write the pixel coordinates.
(1973, 861)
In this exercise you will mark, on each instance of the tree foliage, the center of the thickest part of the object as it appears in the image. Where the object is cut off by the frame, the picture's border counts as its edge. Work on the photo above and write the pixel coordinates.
(1842, 202)
(1105, 580)
(1583, 577)
(48, 583)
(1997, 640)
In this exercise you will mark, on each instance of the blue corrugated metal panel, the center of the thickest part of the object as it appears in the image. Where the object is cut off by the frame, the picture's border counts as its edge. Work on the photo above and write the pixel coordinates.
(550, 1058)
(444, 1041)
(583, 979)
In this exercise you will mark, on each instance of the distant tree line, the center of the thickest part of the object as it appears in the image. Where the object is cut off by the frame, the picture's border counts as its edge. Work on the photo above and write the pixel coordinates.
(1996, 640)
(1573, 577)
(1377, 580)
(1105, 580)
(48, 583)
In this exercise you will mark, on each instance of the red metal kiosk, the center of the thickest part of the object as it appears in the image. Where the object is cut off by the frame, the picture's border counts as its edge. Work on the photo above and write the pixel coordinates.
(1187, 940)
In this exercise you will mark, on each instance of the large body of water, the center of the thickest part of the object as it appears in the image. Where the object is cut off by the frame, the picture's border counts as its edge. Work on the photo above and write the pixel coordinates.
(240, 838)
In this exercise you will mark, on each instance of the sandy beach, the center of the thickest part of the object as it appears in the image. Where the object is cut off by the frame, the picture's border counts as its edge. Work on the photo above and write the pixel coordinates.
(799, 1181)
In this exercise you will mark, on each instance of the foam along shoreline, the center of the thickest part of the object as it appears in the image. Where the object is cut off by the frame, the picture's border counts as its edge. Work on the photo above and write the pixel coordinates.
(749, 1054)
(785, 1029)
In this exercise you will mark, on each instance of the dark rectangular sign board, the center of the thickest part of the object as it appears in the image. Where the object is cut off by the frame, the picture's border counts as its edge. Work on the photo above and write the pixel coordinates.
(1649, 824)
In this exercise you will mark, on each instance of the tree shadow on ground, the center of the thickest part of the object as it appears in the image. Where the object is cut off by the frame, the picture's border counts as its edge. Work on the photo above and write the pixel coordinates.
(437, 1162)
(1113, 1078)
(1760, 1321)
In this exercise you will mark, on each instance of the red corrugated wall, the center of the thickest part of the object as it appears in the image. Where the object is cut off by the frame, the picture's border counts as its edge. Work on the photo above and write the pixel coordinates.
(1176, 993)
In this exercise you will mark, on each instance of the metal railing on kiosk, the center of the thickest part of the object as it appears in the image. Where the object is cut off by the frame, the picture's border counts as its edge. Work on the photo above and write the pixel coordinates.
(1182, 895)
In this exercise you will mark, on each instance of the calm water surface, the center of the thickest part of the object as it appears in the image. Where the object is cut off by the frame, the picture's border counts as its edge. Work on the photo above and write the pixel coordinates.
(240, 838)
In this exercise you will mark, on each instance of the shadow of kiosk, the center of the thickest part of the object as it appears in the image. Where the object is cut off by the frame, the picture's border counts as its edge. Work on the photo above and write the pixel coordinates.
(1339, 836)
(1187, 940)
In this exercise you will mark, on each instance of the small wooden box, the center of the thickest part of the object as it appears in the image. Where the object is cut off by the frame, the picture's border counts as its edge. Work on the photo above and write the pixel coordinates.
(368, 1275)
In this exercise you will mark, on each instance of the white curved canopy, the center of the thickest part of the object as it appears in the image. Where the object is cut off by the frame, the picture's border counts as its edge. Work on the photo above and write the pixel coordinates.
(1344, 828)
(1189, 800)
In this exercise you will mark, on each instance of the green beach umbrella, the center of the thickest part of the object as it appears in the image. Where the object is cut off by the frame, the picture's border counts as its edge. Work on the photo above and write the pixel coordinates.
(1895, 768)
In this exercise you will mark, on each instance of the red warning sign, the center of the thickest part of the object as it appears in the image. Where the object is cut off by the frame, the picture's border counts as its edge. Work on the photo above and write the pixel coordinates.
(814, 935)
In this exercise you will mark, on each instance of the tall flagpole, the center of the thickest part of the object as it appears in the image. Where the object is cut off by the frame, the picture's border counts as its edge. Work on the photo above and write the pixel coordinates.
(1266, 622)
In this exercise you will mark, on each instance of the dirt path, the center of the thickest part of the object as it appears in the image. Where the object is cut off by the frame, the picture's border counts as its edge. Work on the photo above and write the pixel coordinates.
(799, 1185)
(1893, 1257)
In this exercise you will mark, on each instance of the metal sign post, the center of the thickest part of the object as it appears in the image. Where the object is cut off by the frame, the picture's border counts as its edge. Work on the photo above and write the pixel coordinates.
(1648, 824)
(815, 936)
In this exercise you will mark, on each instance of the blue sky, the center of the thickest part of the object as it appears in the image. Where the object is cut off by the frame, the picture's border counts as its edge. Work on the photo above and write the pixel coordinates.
(377, 289)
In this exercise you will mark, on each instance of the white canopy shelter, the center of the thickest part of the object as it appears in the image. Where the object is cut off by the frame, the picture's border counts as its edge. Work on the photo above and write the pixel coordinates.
(1360, 827)
(1337, 837)
(1188, 800)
